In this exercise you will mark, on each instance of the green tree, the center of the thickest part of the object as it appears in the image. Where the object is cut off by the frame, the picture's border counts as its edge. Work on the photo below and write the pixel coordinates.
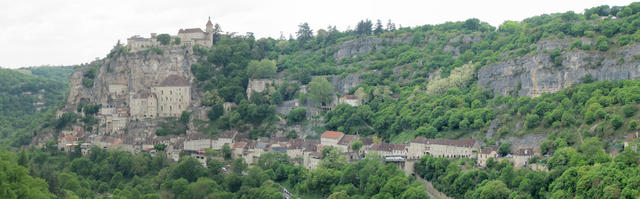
(297, 115)
(504, 148)
(602, 43)
(339, 195)
(264, 68)
(226, 152)
(304, 33)
(494, 189)
(616, 121)
(159, 147)
(189, 169)
(238, 166)
(355, 146)
(321, 91)
(164, 39)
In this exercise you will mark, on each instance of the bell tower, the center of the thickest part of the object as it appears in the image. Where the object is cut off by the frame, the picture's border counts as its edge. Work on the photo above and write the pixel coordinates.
(209, 26)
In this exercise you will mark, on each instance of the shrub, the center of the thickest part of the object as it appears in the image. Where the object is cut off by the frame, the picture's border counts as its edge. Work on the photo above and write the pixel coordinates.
(616, 121)
(629, 110)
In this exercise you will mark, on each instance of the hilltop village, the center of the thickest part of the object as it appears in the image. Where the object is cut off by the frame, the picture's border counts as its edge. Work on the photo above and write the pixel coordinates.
(128, 109)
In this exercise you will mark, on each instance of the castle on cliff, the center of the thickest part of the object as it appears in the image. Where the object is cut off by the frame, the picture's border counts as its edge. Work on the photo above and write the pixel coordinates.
(187, 37)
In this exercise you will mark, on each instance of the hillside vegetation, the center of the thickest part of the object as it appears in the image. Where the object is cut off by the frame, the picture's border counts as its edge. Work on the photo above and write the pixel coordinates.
(27, 102)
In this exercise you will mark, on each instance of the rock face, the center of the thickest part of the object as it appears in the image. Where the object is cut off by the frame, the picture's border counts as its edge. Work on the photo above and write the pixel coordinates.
(532, 75)
(125, 83)
(361, 46)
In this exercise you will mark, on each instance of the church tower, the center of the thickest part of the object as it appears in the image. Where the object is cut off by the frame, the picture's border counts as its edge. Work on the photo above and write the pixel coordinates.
(209, 26)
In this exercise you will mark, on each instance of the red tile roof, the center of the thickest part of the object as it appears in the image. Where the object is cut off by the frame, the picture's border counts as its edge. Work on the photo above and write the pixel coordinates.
(332, 134)
(239, 145)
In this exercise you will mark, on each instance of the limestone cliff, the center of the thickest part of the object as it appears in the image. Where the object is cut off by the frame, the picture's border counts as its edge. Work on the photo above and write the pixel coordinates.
(532, 75)
(125, 83)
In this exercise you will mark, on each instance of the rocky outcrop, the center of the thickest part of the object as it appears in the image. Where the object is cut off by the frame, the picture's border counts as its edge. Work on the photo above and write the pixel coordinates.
(532, 75)
(362, 46)
(135, 72)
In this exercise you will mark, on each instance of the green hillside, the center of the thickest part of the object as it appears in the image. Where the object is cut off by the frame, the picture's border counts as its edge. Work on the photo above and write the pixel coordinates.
(26, 103)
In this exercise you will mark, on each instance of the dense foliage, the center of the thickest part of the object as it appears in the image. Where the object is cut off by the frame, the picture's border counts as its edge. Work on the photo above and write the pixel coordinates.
(115, 174)
(585, 172)
(27, 102)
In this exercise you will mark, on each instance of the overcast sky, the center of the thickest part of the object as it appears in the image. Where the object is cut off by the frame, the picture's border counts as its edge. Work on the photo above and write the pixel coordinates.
(52, 32)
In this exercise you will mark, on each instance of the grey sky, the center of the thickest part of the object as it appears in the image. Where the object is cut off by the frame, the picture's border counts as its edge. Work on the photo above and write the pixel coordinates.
(41, 32)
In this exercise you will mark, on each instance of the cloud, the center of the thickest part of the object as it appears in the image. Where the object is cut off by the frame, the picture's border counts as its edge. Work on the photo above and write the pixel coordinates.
(56, 32)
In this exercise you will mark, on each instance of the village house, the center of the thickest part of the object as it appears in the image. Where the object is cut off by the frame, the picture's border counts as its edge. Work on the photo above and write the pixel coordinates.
(143, 105)
(331, 138)
(386, 150)
(485, 154)
(350, 100)
(238, 149)
(197, 141)
(630, 139)
(451, 148)
(173, 96)
(226, 137)
(521, 157)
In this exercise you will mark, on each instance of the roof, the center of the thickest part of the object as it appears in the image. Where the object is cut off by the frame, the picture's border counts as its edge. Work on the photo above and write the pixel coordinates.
(348, 139)
(332, 134)
(488, 149)
(631, 137)
(351, 97)
(196, 136)
(387, 147)
(144, 95)
(239, 145)
(366, 141)
(175, 80)
(190, 30)
(524, 152)
(458, 142)
(281, 149)
(209, 22)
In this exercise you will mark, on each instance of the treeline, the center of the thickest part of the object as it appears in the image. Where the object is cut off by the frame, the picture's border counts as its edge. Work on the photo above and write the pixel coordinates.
(116, 174)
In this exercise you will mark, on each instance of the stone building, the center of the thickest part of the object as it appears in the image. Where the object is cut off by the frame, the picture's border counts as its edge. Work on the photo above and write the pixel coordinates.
(441, 148)
(259, 85)
(485, 154)
(331, 138)
(197, 141)
(521, 157)
(345, 143)
(188, 37)
(226, 137)
(385, 149)
(143, 105)
(174, 96)
(350, 100)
